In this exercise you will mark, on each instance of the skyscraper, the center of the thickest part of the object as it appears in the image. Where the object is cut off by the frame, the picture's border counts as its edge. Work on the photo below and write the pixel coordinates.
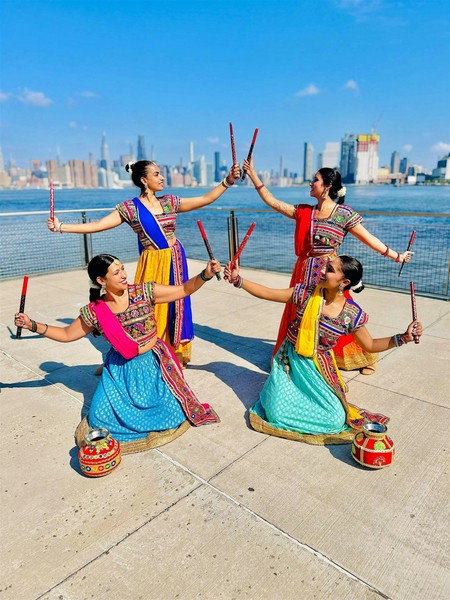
(367, 158)
(348, 158)
(104, 153)
(404, 165)
(330, 156)
(307, 162)
(217, 166)
(191, 152)
(395, 162)
(141, 154)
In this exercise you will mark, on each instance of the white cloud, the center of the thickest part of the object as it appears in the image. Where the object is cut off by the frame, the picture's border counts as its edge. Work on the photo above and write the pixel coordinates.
(72, 125)
(351, 84)
(35, 98)
(441, 148)
(407, 148)
(309, 90)
(89, 94)
(4, 96)
(212, 140)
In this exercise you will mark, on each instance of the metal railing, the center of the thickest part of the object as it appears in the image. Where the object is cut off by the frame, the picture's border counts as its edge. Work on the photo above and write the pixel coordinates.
(29, 248)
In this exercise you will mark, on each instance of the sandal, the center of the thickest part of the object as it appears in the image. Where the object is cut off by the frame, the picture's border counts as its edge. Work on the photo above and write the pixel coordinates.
(369, 369)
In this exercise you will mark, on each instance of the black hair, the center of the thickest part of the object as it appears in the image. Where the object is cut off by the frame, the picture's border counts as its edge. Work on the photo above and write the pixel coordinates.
(332, 178)
(353, 271)
(138, 170)
(98, 267)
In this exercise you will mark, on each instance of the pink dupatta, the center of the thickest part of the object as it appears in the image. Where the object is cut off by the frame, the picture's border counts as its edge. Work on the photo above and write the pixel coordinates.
(113, 331)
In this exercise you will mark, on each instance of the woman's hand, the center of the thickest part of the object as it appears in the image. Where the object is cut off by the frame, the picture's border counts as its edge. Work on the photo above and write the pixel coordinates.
(248, 167)
(22, 320)
(212, 268)
(53, 224)
(234, 173)
(405, 256)
(231, 272)
(414, 330)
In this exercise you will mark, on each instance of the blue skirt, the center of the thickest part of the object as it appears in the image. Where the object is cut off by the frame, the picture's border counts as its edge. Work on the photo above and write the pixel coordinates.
(302, 401)
(132, 399)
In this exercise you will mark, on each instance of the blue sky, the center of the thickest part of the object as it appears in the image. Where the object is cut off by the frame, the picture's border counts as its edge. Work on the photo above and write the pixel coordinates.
(177, 71)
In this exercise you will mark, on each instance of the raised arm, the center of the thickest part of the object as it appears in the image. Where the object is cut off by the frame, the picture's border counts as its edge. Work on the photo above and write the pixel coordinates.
(255, 289)
(109, 222)
(188, 204)
(288, 210)
(75, 331)
(360, 232)
(366, 341)
(170, 293)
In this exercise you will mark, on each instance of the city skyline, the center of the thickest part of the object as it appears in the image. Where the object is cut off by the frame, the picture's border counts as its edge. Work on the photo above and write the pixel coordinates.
(329, 68)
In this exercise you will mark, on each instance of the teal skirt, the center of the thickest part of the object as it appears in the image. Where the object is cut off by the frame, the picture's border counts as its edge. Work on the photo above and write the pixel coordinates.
(132, 399)
(299, 400)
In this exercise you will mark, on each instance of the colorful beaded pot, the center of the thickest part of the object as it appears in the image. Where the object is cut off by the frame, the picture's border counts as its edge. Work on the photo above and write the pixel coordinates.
(100, 455)
(372, 447)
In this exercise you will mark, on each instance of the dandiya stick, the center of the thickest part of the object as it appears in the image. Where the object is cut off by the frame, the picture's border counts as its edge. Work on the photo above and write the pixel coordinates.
(52, 201)
(233, 147)
(242, 246)
(414, 308)
(411, 242)
(22, 304)
(208, 247)
(250, 152)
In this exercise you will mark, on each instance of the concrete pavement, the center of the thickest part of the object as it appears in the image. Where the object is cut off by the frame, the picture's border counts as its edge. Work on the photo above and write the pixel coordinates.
(223, 511)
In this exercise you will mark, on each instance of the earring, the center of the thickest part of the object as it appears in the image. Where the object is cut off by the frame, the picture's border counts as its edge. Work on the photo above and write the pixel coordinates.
(103, 290)
(341, 291)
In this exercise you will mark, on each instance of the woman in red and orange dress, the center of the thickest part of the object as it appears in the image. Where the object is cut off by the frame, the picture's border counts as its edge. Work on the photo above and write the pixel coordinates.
(320, 230)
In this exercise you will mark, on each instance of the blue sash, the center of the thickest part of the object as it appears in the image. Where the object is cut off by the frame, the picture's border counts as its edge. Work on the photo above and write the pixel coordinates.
(151, 227)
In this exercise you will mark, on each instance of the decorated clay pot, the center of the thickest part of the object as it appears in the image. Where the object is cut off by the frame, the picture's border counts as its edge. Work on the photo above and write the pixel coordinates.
(372, 447)
(100, 455)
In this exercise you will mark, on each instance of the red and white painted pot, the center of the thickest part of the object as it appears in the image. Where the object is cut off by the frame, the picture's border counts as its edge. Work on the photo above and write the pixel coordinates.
(100, 455)
(372, 447)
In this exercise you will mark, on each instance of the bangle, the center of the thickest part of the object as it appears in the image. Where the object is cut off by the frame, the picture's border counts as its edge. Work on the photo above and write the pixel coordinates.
(386, 252)
(239, 282)
(397, 260)
(259, 187)
(45, 330)
(225, 183)
(60, 226)
(399, 339)
(203, 276)
(33, 327)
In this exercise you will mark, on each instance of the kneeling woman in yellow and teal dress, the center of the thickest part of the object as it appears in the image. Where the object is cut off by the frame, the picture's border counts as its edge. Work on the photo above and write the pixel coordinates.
(304, 396)
(142, 397)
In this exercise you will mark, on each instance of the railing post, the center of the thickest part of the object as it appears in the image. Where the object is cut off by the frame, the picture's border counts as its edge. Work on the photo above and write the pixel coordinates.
(87, 254)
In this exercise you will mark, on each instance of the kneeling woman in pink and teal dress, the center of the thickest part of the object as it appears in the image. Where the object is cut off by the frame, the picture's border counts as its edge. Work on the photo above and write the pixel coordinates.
(304, 396)
(142, 397)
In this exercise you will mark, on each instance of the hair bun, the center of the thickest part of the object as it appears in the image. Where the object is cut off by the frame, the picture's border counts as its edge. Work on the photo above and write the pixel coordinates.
(358, 287)
(129, 167)
(341, 193)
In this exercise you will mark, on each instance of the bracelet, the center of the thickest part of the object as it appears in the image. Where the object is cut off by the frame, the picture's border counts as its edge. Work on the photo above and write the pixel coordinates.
(239, 282)
(59, 227)
(33, 327)
(386, 252)
(203, 277)
(259, 187)
(45, 330)
(397, 260)
(399, 339)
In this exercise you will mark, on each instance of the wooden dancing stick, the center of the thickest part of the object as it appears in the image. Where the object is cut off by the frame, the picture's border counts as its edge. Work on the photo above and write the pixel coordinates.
(414, 308)
(233, 147)
(208, 247)
(52, 201)
(22, 304)
(242, 246)
(411, 242)
(250, 152)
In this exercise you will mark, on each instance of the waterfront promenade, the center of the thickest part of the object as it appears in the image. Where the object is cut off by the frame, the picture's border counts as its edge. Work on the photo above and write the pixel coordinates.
(223, 511)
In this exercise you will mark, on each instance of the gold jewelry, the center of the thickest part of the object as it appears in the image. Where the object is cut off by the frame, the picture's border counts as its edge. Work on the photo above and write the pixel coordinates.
(341, 291)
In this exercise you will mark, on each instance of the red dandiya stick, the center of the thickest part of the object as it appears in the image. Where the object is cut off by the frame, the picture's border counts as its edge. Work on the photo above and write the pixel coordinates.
(414, 308)
(244, 241)
(22, 304)
(52, 201)
(233, 147)
(208, 247)
(411, 242)
(250, 152)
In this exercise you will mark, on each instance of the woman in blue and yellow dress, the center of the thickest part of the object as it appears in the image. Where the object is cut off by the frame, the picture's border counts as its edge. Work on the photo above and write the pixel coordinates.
(304, 396)
(161, 255)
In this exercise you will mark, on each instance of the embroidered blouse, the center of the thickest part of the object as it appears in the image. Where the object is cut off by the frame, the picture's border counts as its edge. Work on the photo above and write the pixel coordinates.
(328, 234)
(138, 320)
(167, 220)
(351, 318)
